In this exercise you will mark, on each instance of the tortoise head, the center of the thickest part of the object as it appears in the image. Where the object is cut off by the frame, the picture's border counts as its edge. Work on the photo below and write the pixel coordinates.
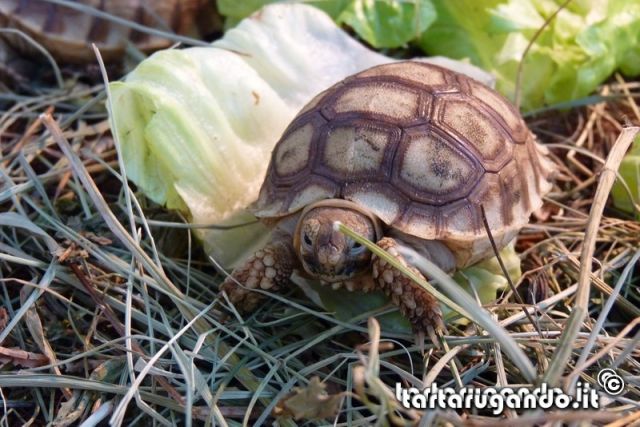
(325, 252)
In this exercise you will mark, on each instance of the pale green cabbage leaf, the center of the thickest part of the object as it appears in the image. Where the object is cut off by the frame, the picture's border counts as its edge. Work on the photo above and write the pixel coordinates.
(388, 24)
(581, 47)
(381, 23)
(586, 42)
(630, 172)
(482, 281)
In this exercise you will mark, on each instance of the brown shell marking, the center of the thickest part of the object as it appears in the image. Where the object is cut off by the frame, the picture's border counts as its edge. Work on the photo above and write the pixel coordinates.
(363, 156)
(421, 147)
(68, 33)
(437, 171)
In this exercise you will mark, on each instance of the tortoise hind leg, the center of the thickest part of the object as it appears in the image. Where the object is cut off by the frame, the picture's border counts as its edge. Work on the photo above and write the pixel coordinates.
(419, 306)
(268, 269)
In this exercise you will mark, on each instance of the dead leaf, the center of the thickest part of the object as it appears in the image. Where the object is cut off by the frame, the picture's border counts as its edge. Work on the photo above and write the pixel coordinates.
(70, 411)
(100, 240)
(34, 325)
(72, 252)
(4, 318)
(22, 358)
(310, 402)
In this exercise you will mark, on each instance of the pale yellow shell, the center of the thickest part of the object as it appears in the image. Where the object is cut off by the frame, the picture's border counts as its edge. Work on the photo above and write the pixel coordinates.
(422, 148)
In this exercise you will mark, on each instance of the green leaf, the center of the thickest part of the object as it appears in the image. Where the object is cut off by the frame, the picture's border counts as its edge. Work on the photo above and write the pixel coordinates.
(483, 279)
(629, 171)
(332, 7)
(388, 23)
(240, 9)
(585, 42)
(381, 23)
(235, 10)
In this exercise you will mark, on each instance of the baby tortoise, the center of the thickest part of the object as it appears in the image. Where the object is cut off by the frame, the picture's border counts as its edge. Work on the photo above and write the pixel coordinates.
(405, 154)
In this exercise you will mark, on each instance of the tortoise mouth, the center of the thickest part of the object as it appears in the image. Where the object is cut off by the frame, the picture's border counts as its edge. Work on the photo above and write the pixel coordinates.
(334, 277)
(333, 274)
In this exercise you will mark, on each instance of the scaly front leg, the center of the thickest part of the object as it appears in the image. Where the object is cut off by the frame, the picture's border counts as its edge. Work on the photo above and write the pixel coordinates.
(268, 268)
(418, 305)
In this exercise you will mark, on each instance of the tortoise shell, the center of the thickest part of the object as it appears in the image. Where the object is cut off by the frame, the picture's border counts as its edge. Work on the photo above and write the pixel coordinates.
(422, 148)
(67, 33)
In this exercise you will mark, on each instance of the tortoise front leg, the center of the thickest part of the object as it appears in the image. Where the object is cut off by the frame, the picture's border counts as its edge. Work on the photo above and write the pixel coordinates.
(419, 306)
(268, 268)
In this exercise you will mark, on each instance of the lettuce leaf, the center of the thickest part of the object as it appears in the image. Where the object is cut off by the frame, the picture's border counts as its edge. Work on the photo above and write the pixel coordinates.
(581, 47)
(629, 171)
(388, 24)
(482, 280)
(381, 23)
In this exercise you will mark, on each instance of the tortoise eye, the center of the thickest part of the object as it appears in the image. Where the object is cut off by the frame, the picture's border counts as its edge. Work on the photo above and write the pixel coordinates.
(307, 239)
(356, 249)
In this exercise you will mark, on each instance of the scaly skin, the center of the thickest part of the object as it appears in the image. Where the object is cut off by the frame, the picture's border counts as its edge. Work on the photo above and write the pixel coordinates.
(415, 303)
(268, 269)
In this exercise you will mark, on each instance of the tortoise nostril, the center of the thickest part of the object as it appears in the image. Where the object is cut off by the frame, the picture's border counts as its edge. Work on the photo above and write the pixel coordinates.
(334, 257)
(329, 255)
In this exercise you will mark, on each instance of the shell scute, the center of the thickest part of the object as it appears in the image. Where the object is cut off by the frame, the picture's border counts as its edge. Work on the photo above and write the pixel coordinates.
(472, 126)
(358, 150)
(381, 198)
(292, 157)
(414, 73)
(292, 154)
(458, 217)
(503, 112)
(432, 168)
(389, 102)
(317, 188)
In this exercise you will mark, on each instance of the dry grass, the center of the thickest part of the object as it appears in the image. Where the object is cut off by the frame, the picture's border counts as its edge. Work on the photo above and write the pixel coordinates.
(107, 302)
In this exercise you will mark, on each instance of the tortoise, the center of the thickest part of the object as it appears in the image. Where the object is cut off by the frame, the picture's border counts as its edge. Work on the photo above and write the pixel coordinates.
(406, 154)
(67, 33)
